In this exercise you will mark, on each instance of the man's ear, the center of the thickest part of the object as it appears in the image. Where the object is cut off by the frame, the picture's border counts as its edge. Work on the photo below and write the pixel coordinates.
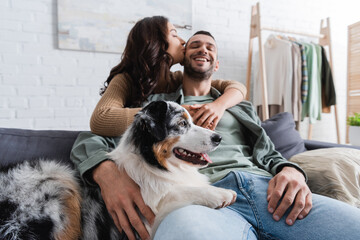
(216, 66)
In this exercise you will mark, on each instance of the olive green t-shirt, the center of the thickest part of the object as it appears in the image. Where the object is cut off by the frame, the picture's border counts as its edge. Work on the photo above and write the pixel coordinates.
(233, 153)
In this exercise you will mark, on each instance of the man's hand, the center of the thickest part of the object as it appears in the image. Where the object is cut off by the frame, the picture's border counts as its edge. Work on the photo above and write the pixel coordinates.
(289, 184)
(206, 115)
(121, 196)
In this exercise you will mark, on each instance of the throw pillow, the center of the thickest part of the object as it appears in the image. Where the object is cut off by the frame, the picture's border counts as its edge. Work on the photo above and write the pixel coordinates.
(281, 130)
(333, 172)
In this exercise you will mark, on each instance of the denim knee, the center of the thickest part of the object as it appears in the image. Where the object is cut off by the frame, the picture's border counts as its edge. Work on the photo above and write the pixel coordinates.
(202, 223)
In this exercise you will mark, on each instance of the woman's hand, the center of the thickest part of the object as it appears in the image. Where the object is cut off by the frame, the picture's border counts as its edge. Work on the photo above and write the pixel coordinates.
(122, 196)
(206, 115)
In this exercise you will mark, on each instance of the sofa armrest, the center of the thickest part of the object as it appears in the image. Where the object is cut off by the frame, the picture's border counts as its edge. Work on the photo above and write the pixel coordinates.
(312, 145)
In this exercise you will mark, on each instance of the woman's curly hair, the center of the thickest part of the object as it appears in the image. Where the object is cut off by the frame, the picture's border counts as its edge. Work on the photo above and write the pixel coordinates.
(145, 58)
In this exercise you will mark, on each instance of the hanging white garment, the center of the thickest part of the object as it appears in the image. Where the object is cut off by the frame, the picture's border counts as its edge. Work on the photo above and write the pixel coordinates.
(279, 73)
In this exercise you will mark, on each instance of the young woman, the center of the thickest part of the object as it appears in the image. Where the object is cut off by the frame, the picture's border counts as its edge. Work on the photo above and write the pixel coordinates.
(152, 47)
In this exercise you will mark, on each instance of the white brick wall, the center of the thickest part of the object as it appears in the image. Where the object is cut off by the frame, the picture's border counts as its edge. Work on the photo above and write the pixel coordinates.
(42, 87)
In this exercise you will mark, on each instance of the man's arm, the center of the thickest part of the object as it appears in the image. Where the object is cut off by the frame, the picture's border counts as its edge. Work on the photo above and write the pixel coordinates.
(88, 151)
(289, 188)
(122, 196)
(120, 193)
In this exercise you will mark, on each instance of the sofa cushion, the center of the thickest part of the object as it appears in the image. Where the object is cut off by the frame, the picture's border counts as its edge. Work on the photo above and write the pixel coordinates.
(281, 130)
(332, 172)
(17, 145)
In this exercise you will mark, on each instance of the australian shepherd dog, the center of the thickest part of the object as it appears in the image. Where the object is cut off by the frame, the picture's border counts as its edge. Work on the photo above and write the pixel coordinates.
(161, 151)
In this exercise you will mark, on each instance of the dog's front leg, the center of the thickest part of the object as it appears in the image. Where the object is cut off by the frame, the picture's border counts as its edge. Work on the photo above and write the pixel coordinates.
(210, 196)
(213, 197)
(182, 196)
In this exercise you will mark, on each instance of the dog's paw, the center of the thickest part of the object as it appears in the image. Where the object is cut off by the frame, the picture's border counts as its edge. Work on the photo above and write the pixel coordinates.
(221, 197)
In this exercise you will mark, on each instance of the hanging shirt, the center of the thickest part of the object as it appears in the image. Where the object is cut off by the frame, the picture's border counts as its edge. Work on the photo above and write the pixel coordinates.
(296, 84)
(279, 73)
(311, 107)
(304, 73)
(328, 94)
(318, 81)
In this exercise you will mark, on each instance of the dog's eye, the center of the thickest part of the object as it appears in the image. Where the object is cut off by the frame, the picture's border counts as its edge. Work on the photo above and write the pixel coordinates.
(182, 123)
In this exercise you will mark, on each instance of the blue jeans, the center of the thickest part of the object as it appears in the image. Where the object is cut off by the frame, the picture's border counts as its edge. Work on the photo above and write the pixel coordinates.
(248, 217)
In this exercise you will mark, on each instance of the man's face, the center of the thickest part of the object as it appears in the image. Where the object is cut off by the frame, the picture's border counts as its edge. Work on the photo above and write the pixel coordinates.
(201, 57)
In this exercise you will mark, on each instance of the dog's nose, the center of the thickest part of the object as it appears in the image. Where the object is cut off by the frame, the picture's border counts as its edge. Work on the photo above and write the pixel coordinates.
(216, 138)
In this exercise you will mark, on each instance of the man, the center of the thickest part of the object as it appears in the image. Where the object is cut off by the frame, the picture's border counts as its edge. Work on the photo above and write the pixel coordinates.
(268, 186)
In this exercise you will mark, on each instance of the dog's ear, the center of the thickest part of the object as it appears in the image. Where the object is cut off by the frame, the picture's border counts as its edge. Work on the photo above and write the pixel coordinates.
(153, 119)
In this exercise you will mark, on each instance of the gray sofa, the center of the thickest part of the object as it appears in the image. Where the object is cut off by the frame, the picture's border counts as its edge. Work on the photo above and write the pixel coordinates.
(17, 145)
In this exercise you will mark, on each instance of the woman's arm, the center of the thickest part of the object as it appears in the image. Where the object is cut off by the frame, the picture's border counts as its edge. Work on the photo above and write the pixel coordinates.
(208, 115)
(224, 85)
(111, 117)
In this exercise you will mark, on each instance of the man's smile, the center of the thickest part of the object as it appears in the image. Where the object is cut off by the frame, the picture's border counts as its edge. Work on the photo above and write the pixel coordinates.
(202, 59)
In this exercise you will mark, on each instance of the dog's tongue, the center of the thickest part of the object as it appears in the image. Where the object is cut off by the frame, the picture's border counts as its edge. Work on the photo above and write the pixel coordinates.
(206, 157)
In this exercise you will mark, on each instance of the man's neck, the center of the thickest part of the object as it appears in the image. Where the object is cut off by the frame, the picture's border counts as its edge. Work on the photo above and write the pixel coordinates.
(195, 87)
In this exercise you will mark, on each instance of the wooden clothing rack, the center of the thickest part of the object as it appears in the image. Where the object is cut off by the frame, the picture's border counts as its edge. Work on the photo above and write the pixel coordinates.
(255, 31)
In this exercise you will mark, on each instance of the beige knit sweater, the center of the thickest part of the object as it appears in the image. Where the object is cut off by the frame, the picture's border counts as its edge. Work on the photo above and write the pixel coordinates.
(112, 114)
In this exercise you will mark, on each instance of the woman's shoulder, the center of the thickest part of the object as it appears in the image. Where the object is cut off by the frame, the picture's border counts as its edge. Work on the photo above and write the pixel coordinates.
(121, 79)
(121, 86)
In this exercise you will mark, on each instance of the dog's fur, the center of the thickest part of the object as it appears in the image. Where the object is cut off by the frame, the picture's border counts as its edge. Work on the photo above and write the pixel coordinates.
(161, 151)
(39, 200)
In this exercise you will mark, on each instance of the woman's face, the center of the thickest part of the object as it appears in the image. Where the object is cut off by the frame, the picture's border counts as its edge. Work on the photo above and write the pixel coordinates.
(176, 45)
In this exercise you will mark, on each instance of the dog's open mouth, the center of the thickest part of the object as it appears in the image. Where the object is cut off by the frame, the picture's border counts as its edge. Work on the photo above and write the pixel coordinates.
(194, 158)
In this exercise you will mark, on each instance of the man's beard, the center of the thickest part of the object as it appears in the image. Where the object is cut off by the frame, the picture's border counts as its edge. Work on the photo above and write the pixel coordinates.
(197, 75)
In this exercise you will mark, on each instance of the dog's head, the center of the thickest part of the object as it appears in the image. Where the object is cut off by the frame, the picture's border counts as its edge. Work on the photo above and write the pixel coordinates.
(165, 135)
